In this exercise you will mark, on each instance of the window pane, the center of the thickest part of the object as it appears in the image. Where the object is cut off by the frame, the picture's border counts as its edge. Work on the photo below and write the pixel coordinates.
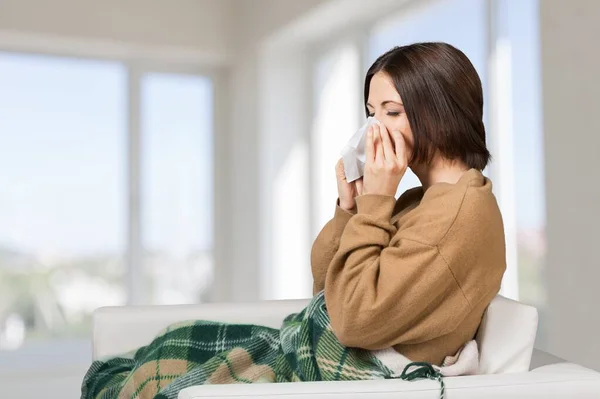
(337, 98)
(521, 30)
(461, 23)
(62, 197)
(177, 187)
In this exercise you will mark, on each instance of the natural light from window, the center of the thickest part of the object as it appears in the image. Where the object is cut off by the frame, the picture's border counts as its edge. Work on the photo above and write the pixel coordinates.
(65, 193)
(62, 209)
(337, 99)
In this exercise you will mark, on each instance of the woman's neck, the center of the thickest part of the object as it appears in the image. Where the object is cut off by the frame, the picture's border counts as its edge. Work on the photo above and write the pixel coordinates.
(439, 172)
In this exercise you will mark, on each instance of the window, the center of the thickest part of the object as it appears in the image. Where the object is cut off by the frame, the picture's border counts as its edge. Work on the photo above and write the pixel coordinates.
(62, 166)
(64, 197)
(177, 184)
(517, 145)
(519, 36)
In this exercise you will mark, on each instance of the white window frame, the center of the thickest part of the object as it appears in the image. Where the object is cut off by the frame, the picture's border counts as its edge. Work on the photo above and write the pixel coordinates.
(76, 353)
(134, 248)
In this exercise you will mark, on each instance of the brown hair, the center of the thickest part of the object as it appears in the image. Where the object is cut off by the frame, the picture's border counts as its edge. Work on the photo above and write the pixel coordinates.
(443, 99)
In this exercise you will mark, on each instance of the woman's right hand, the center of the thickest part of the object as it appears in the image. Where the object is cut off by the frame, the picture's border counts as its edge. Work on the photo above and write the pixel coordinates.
(347, 192)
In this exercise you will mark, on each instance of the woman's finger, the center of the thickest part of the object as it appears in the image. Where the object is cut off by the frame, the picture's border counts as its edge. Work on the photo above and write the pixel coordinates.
(400, 145)
(359, 186)
(378, 145)
(339, 170)
(388, 149)
(370, 150)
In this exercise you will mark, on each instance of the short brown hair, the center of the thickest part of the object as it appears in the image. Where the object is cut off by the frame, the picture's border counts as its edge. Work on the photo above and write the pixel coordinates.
(443, 99)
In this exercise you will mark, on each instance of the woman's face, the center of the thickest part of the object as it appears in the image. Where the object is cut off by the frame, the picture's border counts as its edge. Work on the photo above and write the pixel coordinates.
(386, 106)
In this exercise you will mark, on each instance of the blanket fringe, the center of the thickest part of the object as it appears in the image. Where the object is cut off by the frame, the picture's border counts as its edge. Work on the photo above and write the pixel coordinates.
(422, 371)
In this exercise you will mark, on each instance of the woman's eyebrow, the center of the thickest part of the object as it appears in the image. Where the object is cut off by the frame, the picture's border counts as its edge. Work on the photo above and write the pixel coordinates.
(386, 102)
(390, 101)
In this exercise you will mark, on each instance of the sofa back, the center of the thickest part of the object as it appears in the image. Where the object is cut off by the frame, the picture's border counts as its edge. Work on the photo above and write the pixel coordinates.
(505, 338)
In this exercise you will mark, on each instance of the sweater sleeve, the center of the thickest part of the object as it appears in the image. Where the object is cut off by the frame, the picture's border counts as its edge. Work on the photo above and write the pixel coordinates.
(382, 292)
(326, 245)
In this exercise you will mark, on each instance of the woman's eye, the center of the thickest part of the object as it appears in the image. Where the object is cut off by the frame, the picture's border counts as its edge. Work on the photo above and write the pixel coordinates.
(389, 113)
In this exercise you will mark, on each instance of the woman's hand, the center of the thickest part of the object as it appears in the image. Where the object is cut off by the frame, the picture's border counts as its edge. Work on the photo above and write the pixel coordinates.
(386, 161)
(347, 192)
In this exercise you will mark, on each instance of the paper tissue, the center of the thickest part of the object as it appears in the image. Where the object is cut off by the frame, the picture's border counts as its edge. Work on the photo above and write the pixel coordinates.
(353, 154)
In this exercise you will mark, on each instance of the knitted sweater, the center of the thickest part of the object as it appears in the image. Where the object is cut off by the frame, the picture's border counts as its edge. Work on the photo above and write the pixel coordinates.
(414, 274)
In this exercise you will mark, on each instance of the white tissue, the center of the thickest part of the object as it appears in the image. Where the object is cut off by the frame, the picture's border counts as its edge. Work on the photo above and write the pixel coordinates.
(353, 154)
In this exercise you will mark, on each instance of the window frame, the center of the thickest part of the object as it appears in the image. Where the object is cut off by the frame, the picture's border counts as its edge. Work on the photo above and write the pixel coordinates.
(21, 361)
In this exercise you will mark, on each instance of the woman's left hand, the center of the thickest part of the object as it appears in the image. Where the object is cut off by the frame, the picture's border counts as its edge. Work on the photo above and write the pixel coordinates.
(386, 161)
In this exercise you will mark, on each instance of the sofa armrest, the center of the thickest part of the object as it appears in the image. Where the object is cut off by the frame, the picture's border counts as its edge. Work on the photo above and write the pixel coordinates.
(558, 381)
(540, 358)
(121, 329)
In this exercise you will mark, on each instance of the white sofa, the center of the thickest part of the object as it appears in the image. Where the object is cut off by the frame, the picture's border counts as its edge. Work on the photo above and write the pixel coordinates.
(510, 367)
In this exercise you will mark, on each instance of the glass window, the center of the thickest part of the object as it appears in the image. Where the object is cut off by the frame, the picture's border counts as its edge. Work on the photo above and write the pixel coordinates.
(64, 193)
(177, 187)
(62, 198)
(520, 36)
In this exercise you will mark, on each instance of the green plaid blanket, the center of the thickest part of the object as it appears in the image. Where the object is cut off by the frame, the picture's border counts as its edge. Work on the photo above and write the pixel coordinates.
(203, 352)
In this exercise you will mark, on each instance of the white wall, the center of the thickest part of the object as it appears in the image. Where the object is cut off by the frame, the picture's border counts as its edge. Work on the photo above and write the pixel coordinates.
(193, 30)
(570, 36)
(254, 22)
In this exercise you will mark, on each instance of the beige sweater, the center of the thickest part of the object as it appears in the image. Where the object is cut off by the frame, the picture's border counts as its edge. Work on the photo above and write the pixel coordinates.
(415, 274)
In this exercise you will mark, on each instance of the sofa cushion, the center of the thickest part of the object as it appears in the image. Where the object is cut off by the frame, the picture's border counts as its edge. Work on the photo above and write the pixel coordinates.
(506, 337)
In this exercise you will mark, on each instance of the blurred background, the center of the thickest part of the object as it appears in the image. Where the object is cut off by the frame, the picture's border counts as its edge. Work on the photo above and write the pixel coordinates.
(157, 152)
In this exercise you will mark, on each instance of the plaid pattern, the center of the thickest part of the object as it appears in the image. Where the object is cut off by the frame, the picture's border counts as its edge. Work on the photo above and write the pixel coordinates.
(202, 352)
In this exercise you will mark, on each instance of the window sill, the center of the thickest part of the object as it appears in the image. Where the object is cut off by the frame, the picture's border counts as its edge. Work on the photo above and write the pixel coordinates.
(49, 358)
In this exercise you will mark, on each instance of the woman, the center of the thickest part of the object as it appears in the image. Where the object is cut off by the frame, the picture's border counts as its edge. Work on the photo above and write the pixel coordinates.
(416, 273)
